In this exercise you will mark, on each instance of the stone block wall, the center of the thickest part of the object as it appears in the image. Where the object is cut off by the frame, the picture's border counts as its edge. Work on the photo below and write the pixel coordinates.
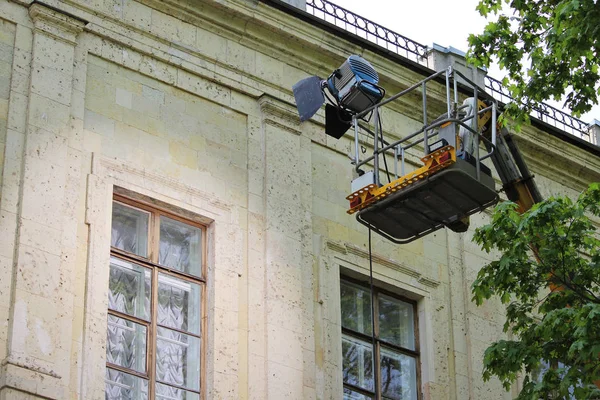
(189, 104)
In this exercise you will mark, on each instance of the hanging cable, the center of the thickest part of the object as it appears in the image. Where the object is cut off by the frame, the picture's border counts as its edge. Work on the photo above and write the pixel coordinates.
(365, 141)
(374, 364)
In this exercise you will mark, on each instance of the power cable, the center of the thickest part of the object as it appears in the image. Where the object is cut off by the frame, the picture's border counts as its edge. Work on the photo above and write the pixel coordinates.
(373, 342)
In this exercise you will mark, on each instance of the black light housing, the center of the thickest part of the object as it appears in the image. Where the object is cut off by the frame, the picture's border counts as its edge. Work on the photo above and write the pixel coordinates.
(337, 121)
(353, 87)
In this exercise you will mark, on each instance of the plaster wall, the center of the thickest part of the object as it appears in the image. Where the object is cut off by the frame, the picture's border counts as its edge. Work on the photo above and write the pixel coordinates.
(189, 104)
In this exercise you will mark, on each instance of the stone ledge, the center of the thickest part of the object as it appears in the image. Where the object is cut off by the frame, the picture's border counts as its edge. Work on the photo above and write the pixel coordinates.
(26, 377)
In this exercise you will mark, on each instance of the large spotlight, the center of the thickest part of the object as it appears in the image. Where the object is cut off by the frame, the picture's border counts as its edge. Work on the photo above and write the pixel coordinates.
(353, 89)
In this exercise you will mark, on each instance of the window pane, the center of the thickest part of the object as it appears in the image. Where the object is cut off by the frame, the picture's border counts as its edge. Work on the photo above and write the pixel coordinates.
(358, 362)
(349, 394)
(396, 322)
(178, 359)
(178, 303)
(538, 374)
(129, 288)
(129, 229)
(356, 308)
(122, 386)
(398, 376)
(170, 392)
(126, 344)
(180, 246)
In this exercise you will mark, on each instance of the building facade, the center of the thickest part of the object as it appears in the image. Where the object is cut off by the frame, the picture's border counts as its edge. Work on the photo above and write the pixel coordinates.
(169, 230)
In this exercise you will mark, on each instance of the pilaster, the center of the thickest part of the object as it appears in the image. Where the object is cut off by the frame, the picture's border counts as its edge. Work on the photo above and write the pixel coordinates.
(595, 132)
(41, 315)
(289, 298)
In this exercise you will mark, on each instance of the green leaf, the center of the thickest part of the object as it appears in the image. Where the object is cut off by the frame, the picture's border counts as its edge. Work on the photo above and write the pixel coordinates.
(548, 49)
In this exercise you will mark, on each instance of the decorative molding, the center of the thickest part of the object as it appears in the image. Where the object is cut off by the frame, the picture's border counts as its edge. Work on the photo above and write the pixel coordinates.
(55, 23)
(345, 248)
(337, 247)
(429, 282)
(29, 367)
(253, 20)
(26, 377)
(257, 25)
(115, 167)
(204, 15)
(357, 251)
(279, 113)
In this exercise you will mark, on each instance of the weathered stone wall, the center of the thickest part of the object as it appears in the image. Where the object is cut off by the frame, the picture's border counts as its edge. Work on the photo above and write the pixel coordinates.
(7, 47)
(189, 103)
(7, 50)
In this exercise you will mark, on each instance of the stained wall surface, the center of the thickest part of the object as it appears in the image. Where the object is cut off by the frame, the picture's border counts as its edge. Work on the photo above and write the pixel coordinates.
(189, 105)
(7, 45)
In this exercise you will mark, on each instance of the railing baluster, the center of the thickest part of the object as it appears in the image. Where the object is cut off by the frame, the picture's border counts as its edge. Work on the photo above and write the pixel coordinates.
(369, 30)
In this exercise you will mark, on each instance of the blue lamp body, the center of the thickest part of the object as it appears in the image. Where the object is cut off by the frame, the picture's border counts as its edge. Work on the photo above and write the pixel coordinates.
(354, 85)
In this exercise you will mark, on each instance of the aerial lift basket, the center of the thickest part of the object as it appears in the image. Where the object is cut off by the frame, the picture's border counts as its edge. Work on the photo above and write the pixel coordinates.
(452, 184)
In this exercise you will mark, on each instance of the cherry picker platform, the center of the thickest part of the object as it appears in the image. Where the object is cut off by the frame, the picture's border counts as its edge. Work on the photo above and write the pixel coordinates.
(452, 183)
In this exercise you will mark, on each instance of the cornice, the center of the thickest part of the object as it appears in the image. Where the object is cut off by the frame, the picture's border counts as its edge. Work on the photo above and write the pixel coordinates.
(299, 45)
(558, 160)
(255, 25)
(346, 248)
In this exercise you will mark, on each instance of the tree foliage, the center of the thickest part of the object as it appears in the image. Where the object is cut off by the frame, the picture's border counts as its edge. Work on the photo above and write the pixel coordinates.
(549, 49)
(553, 245)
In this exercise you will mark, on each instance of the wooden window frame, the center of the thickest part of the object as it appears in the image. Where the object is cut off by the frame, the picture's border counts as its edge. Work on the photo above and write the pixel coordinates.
(377, 394)
(151, 262)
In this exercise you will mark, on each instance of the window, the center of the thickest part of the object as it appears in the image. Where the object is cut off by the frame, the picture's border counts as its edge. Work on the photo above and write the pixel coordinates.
(388, 370)
(544, 367)
(155, 305)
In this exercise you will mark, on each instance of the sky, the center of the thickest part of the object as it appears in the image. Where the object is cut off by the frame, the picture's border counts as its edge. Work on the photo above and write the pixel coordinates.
(447, 23)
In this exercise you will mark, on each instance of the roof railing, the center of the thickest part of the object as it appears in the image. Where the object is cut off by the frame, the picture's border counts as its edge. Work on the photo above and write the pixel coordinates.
(543, 112)
(417, 52)
(368, 30)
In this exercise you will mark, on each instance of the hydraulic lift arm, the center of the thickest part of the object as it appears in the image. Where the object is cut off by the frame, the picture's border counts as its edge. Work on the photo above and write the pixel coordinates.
(517, 181)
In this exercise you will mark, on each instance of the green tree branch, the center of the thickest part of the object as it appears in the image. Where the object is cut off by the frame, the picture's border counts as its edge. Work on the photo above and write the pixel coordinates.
(548, 49)
(554, 242)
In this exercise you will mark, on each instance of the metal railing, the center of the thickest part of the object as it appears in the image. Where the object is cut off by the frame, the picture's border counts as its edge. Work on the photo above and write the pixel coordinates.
(403, 46)
(456, 160)
(368, 30)
(429, 130)
(543, 112)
